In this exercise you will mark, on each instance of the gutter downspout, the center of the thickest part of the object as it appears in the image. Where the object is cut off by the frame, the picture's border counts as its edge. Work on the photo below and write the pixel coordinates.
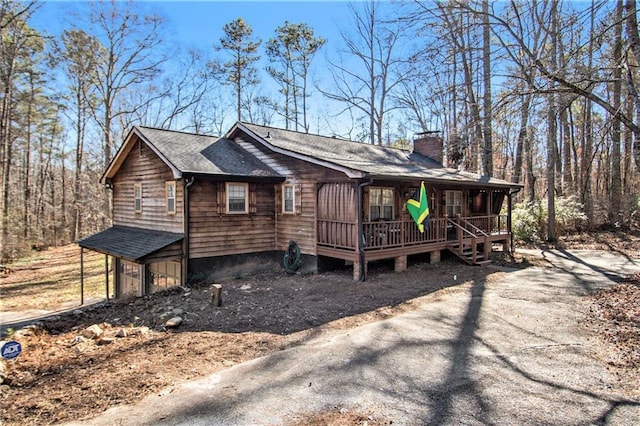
(363, 266)
(185, 224)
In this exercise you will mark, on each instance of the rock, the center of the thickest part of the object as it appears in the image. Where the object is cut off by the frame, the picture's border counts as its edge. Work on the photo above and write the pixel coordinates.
(187, 294)
(92, 332)
(178, 311)
(77, 312)
(139, 331)
(173, 322)
(123, 332)
(105, 340)
(78, 339)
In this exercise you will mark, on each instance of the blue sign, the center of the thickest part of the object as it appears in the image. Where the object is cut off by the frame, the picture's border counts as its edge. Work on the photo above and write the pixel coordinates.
(10, 349)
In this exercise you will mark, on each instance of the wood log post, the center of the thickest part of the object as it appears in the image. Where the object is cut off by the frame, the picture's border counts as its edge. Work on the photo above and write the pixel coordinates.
(216, 294)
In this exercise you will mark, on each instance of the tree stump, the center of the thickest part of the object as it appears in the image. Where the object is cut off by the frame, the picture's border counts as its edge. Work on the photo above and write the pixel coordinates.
(216, 294)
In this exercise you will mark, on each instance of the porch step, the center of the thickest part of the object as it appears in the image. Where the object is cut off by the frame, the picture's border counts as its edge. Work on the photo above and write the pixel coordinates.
(466, 254)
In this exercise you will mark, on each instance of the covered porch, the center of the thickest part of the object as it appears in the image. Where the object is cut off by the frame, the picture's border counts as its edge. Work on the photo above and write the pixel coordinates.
(465, 221)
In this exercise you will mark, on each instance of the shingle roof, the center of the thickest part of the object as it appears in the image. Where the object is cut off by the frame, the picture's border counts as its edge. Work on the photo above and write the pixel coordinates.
(373, 160)
(129, 243)
(207, 155)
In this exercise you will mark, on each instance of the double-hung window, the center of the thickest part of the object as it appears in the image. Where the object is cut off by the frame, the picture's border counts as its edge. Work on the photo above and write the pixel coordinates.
(137, 197)
(170, 192)
(381, 204)
(237, 197)
(288, 198)
(454, 202)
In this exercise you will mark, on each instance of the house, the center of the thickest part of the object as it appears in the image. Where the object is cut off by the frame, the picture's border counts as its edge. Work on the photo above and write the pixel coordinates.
(187, 205)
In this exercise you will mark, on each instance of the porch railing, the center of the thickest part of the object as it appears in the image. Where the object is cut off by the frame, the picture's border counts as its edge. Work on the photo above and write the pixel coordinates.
(392, 234)
(379, 235)
(492, 225)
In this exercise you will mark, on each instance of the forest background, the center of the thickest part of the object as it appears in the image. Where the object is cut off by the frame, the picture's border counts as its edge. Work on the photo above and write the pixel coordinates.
(541, 93)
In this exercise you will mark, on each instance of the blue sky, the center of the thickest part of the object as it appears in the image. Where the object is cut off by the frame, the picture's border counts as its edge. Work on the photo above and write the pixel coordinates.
(199, 23)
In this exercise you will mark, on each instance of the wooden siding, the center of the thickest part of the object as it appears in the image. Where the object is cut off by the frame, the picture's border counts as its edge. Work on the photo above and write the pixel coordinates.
(213, 232)
(143, 166)
(307, 177)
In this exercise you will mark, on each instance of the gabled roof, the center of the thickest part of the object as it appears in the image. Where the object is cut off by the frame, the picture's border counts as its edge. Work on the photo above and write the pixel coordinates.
(129, 243)
(190, 153)
(360, 160)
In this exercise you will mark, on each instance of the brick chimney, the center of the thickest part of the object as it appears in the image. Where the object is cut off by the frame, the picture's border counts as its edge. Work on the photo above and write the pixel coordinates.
(429, 144)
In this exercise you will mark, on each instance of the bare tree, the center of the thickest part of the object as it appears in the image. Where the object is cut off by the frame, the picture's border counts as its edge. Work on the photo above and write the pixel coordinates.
(367, 84)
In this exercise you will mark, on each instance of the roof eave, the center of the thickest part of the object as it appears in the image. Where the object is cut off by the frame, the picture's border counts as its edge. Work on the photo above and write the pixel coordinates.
(125, 148)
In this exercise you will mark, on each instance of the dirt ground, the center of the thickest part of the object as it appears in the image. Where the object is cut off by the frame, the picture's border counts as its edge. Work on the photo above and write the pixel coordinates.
(77, 365)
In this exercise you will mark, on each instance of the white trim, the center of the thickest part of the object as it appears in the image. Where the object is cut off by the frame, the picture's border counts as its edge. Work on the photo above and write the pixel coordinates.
(167, 184)
(293, 198)
(246, 197)
(135, 198)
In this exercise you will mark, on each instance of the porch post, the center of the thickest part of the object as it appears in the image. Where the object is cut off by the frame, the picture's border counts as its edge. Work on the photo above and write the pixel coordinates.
(81, 276)
(106, 273)
(509, 222)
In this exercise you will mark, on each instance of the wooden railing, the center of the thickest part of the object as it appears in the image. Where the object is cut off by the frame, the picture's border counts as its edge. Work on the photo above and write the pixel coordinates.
(380, 235)
(492, 225)
(396, 233)
(337, 234)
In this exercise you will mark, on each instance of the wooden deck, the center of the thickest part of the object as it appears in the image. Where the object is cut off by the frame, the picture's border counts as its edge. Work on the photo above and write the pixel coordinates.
(390, 239)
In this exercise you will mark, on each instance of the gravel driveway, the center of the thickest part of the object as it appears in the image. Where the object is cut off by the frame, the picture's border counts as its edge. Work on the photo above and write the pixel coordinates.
(507, 351)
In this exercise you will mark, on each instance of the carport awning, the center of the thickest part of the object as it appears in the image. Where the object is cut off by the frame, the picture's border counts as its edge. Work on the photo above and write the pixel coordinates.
(129, 243)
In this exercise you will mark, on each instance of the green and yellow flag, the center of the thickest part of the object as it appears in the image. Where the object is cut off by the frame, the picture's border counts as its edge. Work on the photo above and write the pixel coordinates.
(419, 210)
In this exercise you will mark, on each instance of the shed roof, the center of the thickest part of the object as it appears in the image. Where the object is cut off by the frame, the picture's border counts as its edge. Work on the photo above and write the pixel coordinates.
(129, 243)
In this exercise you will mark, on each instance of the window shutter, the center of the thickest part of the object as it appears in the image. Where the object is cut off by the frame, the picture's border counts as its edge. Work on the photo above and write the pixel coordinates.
(221, 198)
(278, 197)
(298, 198)
(253, 198)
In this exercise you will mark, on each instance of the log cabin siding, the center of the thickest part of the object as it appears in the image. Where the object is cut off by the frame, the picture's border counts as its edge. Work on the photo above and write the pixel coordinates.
(307, 177)
(213, 232)
(143, 166)
(299, 226)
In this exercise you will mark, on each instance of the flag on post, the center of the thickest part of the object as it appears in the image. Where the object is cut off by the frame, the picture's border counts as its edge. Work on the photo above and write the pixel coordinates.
(419, 210)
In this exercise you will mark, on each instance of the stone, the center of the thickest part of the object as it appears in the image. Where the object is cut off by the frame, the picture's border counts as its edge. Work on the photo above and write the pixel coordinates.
(136, 331)
(173, 322)
(105, 340)
(77, 312)
(123, 332)
(178, 311)
(78, 339)
(92, 332)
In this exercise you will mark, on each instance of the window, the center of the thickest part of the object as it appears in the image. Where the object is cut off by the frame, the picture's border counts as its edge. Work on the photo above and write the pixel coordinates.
(170, 191)
(237, 197)
(380, 204)
(453, 202)
(137, 197)
(288, 198)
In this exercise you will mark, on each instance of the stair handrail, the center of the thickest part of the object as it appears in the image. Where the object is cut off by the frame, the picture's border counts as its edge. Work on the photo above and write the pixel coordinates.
(462, 228)
(475, 228)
